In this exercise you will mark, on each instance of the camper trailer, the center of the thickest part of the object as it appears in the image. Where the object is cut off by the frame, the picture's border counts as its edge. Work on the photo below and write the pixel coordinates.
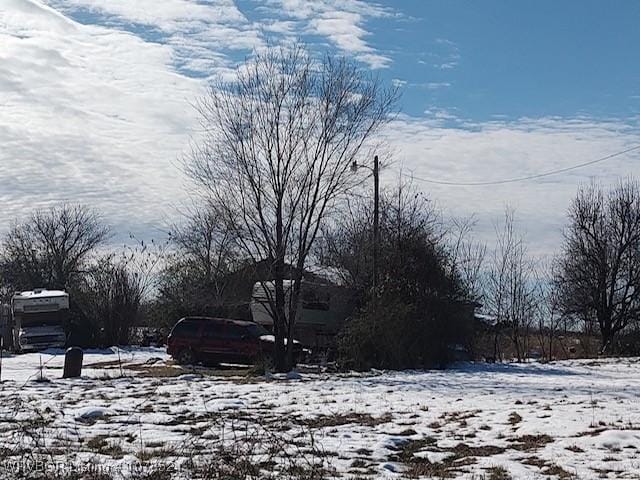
(37, 319)
(321, 313)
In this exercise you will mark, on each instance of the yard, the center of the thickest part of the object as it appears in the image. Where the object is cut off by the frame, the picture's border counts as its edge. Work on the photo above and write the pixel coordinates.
(136, 415)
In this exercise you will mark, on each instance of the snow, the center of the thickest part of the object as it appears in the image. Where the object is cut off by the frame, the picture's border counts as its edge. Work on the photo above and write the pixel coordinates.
(87, 414)
(272, 339)
(41, 293)
(25, 367)
(579, 417)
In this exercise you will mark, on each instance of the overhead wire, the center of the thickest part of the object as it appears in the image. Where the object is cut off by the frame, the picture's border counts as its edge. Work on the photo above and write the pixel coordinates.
(524, 178)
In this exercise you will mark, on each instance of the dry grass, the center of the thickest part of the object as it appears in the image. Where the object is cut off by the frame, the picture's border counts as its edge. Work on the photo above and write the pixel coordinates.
(530, 442)
(450, 467)
(574, 449)
(498, 473)
(101, 444)
(558, 472)
(336, 420)
(514, 418)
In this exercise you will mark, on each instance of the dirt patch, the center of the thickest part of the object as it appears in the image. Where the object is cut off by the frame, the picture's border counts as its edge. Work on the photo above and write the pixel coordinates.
(534, 461)
(459, 417)
(574, 449)
(404, 433)
(450, 467)
(463, 450)
(100, 444)
(530, 442)
(336, 420)
(558, 472)
(498, 473)
(109, 364)
(514, 418)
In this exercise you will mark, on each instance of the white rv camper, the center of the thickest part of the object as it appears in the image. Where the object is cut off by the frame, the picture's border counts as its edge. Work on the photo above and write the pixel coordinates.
(38, 318)
(322, 310)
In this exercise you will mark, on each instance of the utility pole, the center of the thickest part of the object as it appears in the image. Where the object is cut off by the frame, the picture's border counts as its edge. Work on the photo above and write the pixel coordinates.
(376, 224)
(376, 218)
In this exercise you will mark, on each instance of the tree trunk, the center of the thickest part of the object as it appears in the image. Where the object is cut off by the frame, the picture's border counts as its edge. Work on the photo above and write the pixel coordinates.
(294, 306)
(606, 332)
(279, 320)
(607, 340)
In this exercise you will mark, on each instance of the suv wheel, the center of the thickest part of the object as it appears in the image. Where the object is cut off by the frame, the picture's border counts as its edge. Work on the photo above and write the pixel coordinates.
(186, 357)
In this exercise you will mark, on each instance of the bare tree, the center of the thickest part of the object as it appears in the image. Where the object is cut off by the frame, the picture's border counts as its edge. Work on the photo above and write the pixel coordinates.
(511, 288)
(467, 256)
(197, 268)
(551, 322)
(600, 269)
(406, 216)
(422, 305)
(50, 248)
(346, 247)
(279, 142)
(206, 243)
(110, 297)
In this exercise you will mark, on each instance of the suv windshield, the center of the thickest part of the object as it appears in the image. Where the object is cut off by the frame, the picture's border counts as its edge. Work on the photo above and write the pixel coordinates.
(257, 330)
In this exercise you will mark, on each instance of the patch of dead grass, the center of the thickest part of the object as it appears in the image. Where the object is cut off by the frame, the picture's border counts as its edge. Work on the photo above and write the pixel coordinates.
(514, 419)
(338, 419)
(530, 442)
(498, 473)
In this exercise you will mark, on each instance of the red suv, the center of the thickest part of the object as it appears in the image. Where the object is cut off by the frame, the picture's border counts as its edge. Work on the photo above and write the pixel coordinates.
(217, 340)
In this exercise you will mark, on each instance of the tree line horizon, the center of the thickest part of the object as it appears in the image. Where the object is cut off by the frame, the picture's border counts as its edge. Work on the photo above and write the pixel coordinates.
(273, 171)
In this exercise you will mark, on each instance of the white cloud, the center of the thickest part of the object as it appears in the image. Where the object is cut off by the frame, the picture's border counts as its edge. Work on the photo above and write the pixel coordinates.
(446, 53)
(88, 114)
(340, 21)
(197, 32)
(101, 115)
(446, 65)
(426, 85)
(436, 85)
(98, 110)
(476, 152)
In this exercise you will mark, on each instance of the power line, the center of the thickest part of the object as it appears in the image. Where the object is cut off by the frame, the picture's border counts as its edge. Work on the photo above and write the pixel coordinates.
(529, 177)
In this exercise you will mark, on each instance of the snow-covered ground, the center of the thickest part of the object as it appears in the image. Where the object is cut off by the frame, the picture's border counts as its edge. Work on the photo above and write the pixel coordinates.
(572, 419)
(29, 366)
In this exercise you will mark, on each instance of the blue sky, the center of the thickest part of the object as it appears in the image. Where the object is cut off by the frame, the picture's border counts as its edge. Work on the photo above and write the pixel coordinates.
(535, 58)
(519, 58)
(481, 60)
(96, 96)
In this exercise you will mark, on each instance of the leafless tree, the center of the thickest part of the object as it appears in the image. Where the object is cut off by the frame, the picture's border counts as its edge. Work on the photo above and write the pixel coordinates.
(467, 256)
(511, 289)
(600, 267)
(551, 322)
(110, 296)
(347, 243)
(205, 242)
(50, 248)
(279, 141)
(346, 247)
(196, 273)
(422, 305)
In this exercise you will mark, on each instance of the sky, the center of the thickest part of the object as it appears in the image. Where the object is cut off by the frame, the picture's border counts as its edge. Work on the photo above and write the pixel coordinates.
(96, 98)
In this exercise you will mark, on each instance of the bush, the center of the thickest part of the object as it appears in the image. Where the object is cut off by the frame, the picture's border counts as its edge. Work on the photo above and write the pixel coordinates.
(399, 335)
(108, 304)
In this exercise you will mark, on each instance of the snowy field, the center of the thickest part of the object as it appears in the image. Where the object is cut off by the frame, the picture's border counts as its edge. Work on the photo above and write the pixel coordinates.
(143, 417)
